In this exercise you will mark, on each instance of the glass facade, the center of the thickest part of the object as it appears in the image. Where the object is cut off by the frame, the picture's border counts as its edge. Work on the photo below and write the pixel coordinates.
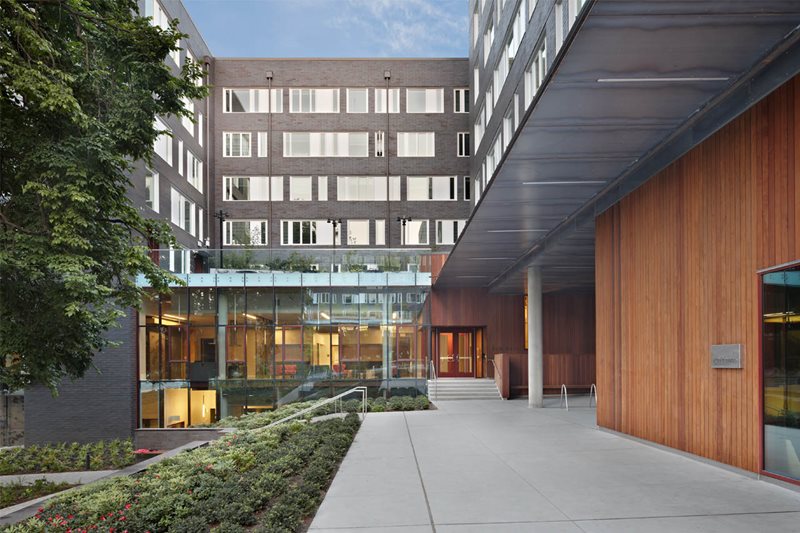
(210, 352)
(781, 370)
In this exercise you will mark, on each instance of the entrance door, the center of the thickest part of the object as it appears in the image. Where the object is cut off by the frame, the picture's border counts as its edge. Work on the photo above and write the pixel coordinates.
(456, 353)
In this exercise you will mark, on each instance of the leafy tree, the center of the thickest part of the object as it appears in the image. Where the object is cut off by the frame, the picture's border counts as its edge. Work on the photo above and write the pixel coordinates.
(82, 81)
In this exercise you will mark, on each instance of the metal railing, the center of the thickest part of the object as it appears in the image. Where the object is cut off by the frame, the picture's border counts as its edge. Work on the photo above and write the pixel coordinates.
(435, 380)
(593, 390)
(564, 400)
(336, 400)
(500, 375)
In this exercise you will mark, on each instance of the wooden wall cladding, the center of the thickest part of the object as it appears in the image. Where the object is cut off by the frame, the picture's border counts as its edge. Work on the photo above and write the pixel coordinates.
(676, 265)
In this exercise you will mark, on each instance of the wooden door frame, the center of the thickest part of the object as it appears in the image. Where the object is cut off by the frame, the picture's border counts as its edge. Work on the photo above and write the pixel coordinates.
(455, 330)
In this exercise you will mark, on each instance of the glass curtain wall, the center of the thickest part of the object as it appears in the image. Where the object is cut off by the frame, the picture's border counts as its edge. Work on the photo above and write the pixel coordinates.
(211, 352)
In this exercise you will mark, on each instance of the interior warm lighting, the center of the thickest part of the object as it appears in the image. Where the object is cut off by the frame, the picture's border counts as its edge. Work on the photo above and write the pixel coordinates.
(586, 182)
(658, 80)
(251, 317)
(513, 230)
(324, 315)
(204, 406)
(174, 317)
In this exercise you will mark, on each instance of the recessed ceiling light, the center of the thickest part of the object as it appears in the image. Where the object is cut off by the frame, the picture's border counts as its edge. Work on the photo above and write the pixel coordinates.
(514, 230)
(585, 182)
(490, 258)
(659, 80)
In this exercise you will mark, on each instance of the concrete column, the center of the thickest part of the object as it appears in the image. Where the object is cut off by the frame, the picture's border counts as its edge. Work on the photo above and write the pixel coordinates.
(535, 352)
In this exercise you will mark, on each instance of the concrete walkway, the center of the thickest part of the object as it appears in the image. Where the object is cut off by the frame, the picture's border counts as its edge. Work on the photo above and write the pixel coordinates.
(479, 466)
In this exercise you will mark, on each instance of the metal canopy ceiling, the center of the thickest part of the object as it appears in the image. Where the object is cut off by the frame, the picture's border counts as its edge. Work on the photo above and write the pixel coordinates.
(631, 77)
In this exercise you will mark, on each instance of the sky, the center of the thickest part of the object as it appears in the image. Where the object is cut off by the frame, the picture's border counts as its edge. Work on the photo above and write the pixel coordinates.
(333, 28)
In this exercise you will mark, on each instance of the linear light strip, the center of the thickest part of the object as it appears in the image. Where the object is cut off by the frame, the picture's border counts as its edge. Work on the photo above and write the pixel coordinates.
(514, 230)
(587, 182)
(657, 80)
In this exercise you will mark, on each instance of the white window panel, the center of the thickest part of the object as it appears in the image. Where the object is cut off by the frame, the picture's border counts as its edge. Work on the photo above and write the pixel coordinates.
(462, 145)
(263, 147)
(461, 100)
(200, 131)
(380, 100)
(187, 123)
(249, 188)
(424, 100)
(158, 16)
(237, 144)
(380, 232)
(447, 231)
(322, 188)
(357, 100)
(180, 157)
(558, 11)
(379, 144)
(467, 188)
(508, 126)
(163, 143)
(201, 224)
(182, 212)
(194, 171)
(415, 144)
(252, 100)
(325, 144)
(488, 39)
(416, 232)
(531, 7)
(358, 232)
(245, 232)
(535, 73)
(300, 188)
(366, 188)
(276, 189)
(308, 232)
(476, 24)
(421, 188)
(151, 190)
(479, 126)
(314, 100)
(476, 81)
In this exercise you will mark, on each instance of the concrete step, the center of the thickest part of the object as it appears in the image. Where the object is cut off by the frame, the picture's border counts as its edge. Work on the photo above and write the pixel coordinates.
(462, 389)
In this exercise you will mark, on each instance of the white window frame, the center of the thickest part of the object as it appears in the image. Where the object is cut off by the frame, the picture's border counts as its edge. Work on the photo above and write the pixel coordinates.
(380, 144)
(446, 226)
(187, 121)
(366, 99)
(265, 188)
(461, 96)
(463, 147)
(258, 98)
(467, 188)
(430, 185)
(394, 100)
(163, 143)
(312, 96)
(194, 170)
(227, 138)
(380, 232)
(407, 139)
(254, 227)
(431, 94)
(263, 144)
(179, 203)
(407, 231)
(376, 184)
(151, 193)
(200, 132)
(180, 158)
(359, 224)
(322, 188)
(319, 231)
(295, 183)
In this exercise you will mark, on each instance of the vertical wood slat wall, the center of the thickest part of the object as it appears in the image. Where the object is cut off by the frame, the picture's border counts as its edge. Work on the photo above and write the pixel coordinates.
(676, 265)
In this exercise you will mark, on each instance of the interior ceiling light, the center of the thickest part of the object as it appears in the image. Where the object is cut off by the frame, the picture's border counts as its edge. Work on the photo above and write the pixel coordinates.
(491, 258)
(659, 80)
(585, 182)
(514, 230)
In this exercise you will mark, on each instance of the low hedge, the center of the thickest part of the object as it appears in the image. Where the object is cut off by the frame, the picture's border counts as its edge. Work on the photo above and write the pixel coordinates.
(269, 481)
(105, 455)
(17, 493)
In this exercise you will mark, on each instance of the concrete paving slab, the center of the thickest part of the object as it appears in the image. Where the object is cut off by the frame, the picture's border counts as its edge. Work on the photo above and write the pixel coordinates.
(485, 466)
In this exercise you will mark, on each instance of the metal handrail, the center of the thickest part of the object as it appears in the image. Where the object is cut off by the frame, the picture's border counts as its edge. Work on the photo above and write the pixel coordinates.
(435, 381)
(336, 400)
(593, 389)
(497, 371)
(564, 400)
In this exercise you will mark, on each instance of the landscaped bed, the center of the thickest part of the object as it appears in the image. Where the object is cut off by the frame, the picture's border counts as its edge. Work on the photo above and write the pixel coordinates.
(106, 455)
(17, 492)
(261, 480)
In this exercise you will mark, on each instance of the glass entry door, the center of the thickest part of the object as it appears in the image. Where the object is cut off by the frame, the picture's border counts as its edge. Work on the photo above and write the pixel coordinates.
(455, 351)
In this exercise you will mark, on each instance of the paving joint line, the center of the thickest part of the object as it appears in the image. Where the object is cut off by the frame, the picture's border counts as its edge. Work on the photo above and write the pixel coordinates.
(419, 473)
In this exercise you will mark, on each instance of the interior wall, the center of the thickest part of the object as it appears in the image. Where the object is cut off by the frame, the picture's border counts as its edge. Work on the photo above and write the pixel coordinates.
(676, 271)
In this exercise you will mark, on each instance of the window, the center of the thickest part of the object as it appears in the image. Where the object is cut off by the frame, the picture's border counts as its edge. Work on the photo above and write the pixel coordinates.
(380, 232)
(252, 188)
(188, 125)
(190, 59)
(182, 212)
(416, 232)
(479, 126)
(358, 232)
(379, 144)
(508, 126)
(534, 74)
(180, 157)
(315, 144)
(299, 232)
(380, 100)
(424, 100)
(516, 111)
(314, 100)
(431, 188)
(175, 55)
(489, 107)
(575, 7)
(476, 81)
(357, 101)
(194, 171)
(163, 143)
(494, 155)
(558, 8)
(467, 188)
(159, 17)
(461, 100)
(447, 231)
(300, 188)
(366, 188)
(476, 24)
(252, 100)
(201, 224)
(151, 190)
(463, 144)
(488, 39)
(245, 232)
(237, 144)
(415, 144)
(200, 131)
(322, 188)
(531, 7)
(263, 146)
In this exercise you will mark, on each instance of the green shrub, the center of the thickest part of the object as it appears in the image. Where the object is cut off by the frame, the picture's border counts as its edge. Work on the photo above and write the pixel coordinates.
(104, 455)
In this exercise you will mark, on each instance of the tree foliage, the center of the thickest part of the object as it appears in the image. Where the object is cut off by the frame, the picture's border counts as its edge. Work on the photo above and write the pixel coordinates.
(82, 81)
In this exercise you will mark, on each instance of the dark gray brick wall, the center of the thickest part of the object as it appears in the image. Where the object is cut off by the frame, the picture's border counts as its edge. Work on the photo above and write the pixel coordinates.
(102, 405)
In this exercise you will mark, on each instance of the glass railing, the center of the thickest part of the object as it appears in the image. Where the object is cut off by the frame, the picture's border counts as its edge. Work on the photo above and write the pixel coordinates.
(228, 260)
